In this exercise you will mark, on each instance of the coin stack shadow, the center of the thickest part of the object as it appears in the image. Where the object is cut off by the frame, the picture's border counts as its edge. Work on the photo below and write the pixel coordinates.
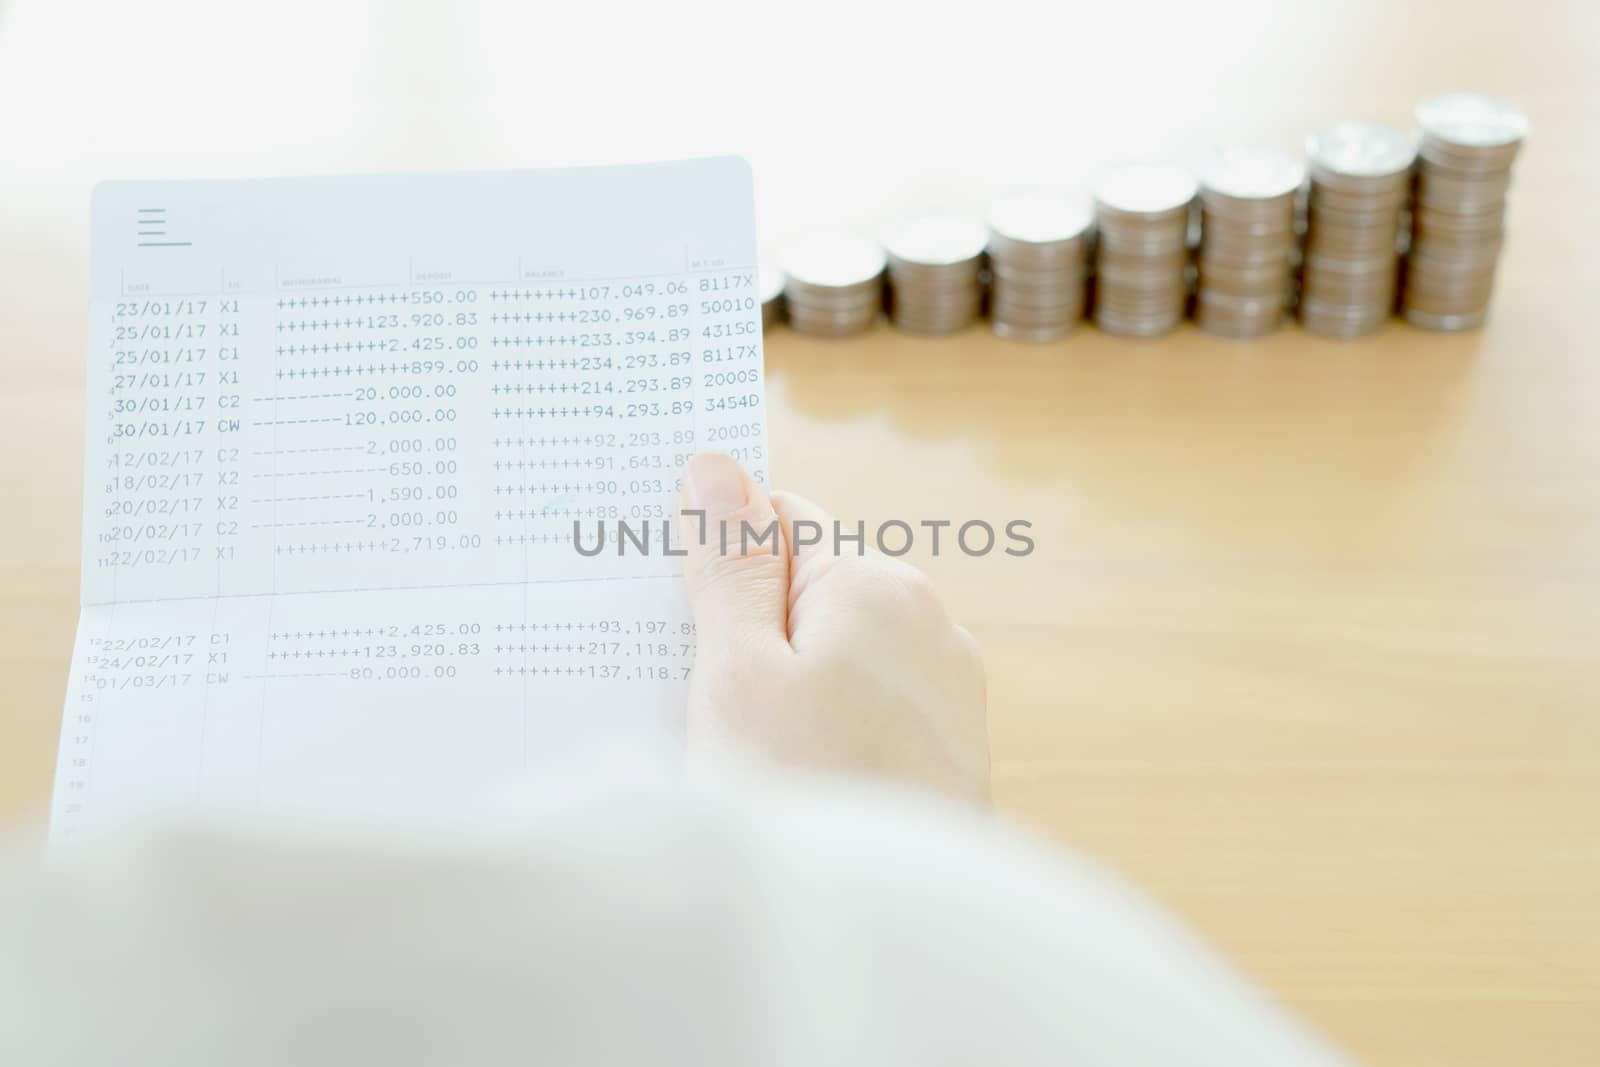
(1360, 179)
(833, 284)
(935, 273)
(1458, 223)
(1142, 260)
(1248, 241)
(769, 279)
(1038, 252)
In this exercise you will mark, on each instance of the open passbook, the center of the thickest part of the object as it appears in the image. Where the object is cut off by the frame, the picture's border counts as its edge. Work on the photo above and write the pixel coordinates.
(341, 432)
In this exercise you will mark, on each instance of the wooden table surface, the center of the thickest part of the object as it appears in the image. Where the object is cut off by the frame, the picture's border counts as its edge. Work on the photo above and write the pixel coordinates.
(1309, 646)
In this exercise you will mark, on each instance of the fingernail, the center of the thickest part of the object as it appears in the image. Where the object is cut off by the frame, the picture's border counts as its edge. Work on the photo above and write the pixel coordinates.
(714, 483)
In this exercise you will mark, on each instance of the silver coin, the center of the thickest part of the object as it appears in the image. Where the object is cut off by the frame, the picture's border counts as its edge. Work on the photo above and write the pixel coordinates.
(1278, 225)
(1440, 305)
(1065, 255)
(1340, 330)
(832, 260)
(1321, 262)
(1238, 329)
(1010, 296)
(1336, 324)
(1445, 287)
(934, 298)
(805, 322)
(1019, 307)
(1471, 120)
(1035, 296)
(1140, 307)
(1070, 255)
(1436, 182)
(1380, 279)
(1268, 278)
(1379, 303)
(1476, 162)
(1469, 320)
(1346, 244)
(1325, 197)
(1037, 313)
(933, 327)
(1037, 279)
(1037, 316)
(1255, 214)
(1330, 218)
(1267, 313)
(1172, 247)
(1041, 219)
(1225, 248)
(937, 240)
(1463, 202)
(1108, 290)
(1141, 276)
(1458, 305)
(1352, 307)
(1485, 224)
(1432, 259)
(1361, 150)
(1350, 288)
(1251, 174)
(1310, 305)
(1031, 334)
(1148, 229)
(901, 308)
(1455, 251)
(1135, 326)
(1112, 256)
(1470, 205)
(1222, 245)
(1455, 257)
(946, 280)
(1449, 270)
(1447, 303)
(1334, 305)
(1472, 214)
(855, 299)
(1226, 323)
(1245, 306)
(1135, 189)
(807, 312)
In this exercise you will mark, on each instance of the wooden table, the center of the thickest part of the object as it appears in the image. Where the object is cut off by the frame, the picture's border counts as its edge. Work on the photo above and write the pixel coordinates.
(1310, 645)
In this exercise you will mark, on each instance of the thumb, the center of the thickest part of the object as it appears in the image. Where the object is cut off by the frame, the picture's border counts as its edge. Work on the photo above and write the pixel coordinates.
(736, 569)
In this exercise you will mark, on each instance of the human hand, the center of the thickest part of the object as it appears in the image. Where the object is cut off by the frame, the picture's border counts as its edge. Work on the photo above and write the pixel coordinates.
(820, 660)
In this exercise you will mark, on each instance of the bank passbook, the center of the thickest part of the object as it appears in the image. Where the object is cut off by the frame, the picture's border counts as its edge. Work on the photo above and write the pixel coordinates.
(378, 473)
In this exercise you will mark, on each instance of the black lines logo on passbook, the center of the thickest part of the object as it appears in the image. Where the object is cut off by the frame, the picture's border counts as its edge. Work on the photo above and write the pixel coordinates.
(153, 232)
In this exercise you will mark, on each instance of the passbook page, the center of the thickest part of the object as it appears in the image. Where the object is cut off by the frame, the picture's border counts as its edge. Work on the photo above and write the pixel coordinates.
(379, 472)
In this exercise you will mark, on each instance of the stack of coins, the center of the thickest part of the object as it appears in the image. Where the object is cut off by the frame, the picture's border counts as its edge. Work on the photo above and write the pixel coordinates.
(1248, 241)
(833, 284)
(1458, 225)
(769, 280)
(1360, 178)
(935, 265)
(1038, 248)
(1141, 267)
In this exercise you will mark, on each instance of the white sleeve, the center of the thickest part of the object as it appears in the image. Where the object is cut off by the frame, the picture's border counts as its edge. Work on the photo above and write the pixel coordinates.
(650, 920)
